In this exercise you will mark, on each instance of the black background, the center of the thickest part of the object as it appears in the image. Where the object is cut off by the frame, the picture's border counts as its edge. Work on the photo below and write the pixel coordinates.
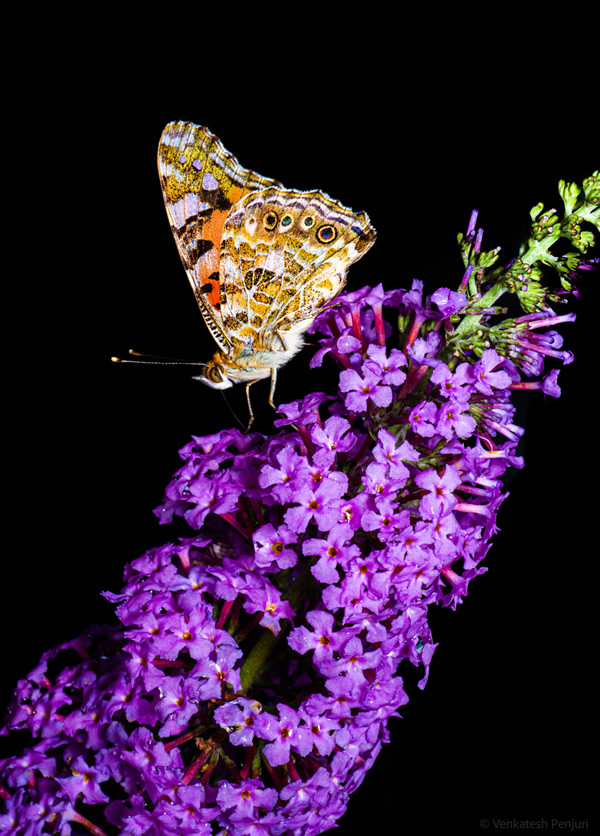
(417, 119)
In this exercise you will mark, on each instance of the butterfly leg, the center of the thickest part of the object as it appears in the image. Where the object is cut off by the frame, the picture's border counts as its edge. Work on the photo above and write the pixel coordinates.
(282, 340)
(271, 394)
(272, 390)
(251, 421)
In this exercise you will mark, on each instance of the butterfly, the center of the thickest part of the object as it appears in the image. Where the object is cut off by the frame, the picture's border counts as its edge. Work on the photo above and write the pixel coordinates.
(262, 260)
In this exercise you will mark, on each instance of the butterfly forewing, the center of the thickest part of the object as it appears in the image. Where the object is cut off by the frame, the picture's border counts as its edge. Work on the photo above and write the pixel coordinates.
(200, 182)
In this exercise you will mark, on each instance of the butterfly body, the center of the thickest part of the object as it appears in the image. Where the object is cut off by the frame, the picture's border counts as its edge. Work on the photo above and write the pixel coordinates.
(262, 260)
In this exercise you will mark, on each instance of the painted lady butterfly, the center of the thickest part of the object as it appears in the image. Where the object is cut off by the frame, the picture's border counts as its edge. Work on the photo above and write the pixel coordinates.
(262, 260)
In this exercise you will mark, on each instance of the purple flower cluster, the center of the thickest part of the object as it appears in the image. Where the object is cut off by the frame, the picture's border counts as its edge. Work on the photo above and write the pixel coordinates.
(250, 684)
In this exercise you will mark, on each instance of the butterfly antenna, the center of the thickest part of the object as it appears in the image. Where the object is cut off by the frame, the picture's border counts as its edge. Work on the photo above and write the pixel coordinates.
(157, 361)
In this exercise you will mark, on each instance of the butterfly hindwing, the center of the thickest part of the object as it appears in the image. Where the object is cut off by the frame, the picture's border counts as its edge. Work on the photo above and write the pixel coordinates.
(284, 255)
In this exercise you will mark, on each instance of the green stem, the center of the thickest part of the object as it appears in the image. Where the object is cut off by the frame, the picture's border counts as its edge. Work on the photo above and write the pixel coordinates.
(264, 646)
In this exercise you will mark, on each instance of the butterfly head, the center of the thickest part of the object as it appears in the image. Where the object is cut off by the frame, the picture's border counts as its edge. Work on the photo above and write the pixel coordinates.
(214, 374)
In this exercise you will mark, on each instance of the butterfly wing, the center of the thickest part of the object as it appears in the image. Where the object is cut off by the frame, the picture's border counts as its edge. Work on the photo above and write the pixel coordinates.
(201, 181)
(291, 251)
